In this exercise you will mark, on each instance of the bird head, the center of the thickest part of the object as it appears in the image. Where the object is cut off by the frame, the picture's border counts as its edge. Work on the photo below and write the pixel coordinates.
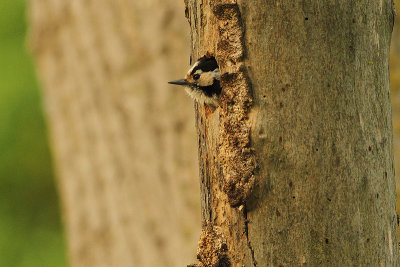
(202, 81)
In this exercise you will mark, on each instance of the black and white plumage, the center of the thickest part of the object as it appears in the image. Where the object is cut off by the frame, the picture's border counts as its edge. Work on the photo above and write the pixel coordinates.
(202, 82)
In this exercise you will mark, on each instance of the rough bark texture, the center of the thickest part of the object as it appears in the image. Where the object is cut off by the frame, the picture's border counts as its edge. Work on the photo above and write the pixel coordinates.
(124, 142)
(321, 131)
(395, 97)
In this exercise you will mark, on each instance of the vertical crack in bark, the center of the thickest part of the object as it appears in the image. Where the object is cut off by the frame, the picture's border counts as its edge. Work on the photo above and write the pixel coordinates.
(246, 229)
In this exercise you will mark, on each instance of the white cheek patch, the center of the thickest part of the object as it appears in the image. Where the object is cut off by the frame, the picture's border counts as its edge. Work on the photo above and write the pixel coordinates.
(199, 96)
(207, 78)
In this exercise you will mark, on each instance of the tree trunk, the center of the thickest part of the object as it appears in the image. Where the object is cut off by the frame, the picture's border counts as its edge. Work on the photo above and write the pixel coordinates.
(296, 166)
(124, 142)
(395, 96)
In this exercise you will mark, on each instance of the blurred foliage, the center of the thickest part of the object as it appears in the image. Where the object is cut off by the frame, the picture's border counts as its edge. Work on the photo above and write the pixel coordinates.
(30, 229)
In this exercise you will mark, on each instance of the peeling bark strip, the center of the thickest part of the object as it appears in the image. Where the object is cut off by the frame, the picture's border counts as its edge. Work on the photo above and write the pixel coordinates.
(235, 155)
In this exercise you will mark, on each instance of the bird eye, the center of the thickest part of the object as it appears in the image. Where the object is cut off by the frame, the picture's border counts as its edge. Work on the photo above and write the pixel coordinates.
(196, 76)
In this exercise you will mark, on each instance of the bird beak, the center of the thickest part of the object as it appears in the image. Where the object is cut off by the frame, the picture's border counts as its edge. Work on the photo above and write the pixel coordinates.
(180, 82)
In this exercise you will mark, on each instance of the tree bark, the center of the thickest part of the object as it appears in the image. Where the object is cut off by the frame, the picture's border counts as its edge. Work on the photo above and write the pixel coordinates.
(296, 165)
(124, 142)
(395, 97)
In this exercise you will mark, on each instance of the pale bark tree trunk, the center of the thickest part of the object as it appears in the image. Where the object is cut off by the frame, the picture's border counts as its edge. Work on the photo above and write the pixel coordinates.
(395, 97)
(296, 166)
(124, 142)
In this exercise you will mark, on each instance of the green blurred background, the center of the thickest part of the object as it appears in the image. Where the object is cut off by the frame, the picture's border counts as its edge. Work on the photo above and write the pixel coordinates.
(30, 228)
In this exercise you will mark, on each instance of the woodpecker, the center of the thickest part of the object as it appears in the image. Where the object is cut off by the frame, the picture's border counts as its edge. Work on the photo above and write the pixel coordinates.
(202, 82)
